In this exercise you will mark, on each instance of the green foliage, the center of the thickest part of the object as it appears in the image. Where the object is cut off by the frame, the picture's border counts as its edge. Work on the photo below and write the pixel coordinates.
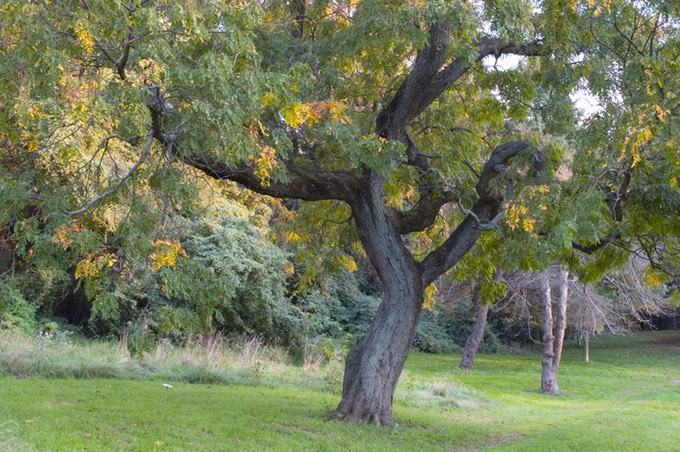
(141, 340)
(16, 314)
(225, 277)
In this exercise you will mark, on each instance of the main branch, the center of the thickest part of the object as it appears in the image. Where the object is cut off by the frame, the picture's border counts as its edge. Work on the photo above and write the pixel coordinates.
(308, 185)
(486, 208)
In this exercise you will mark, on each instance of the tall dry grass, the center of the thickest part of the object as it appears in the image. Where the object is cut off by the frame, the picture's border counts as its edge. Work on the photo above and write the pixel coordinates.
(207, 359)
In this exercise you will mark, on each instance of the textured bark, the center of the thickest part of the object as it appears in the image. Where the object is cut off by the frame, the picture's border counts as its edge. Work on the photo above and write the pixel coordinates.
(548, 374)
(485, 210)
(373, 366)
(553, 336)
(303, 183)
(561, 315)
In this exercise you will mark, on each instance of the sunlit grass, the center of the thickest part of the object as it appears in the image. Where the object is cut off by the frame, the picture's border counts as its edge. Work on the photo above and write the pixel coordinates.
(627, 398)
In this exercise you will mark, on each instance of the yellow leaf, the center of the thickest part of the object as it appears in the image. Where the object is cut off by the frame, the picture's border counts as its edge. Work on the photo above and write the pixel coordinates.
(86, 268)
(84, 36)
(336, 111)
(430, 301)
(268, 100)
(265, 162)
(289, 269)
(294, 237)
(296, 114)
(349, 263)
(660, 113)
(653, 278)
(32, 146)
(167, 254)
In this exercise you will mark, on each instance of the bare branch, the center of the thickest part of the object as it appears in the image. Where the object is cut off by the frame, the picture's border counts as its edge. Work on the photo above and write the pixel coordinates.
(484, 225)
(110, 191)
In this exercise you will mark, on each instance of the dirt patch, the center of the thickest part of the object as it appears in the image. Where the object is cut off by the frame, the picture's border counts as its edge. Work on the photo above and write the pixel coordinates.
(673, 342)
(501, 440)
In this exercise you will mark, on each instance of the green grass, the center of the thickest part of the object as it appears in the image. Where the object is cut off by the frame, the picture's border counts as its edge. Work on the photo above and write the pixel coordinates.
(627, 398)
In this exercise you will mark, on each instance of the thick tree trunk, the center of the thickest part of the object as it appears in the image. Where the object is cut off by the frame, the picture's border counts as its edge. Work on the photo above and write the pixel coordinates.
(553, 335)
(477, 335)
(474, 339)
(373, 366)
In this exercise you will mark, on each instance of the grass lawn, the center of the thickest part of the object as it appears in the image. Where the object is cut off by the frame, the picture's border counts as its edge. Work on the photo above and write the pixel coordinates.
(627, 398)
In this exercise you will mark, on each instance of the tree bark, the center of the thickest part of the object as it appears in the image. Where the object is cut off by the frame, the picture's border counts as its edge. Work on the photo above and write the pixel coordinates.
(474, 339)
(373, 366)
(477, 335)
(553, 336)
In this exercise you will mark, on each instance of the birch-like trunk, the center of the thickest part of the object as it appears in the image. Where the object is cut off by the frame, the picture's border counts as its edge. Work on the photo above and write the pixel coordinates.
(553, 333)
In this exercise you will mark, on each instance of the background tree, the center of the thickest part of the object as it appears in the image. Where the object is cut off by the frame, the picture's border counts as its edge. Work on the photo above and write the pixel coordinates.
(477, 333)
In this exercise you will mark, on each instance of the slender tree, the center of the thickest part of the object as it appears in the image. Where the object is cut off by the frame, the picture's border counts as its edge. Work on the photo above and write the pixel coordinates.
(554, 328)
(476, 336)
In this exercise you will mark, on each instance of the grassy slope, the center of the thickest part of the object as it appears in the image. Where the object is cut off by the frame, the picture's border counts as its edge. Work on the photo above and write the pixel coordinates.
(626, 399)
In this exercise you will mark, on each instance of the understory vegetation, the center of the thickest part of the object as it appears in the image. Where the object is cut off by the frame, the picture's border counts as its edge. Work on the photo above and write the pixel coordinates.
(249, 396)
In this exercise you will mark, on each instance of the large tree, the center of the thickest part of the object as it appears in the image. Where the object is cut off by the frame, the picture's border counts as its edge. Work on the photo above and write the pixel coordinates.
(384, 108)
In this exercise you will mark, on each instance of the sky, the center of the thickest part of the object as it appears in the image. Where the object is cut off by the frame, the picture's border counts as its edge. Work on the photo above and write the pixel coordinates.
(586, 103)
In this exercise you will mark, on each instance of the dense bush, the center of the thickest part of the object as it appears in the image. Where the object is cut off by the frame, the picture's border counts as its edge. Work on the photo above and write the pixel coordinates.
(344, 305)
(226, 277)
(15, 312)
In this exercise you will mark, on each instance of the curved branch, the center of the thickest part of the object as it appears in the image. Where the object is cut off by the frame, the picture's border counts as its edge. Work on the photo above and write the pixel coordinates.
(458, 67)
(119, 184)
(485, 210)
(422, 215)
(615, 201)
(427, 81)
(423, 85)
(392, 120)
(308, 185)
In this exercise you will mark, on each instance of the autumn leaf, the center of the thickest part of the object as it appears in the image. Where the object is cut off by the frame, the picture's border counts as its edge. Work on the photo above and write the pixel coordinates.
(430, 302)
(166, 255)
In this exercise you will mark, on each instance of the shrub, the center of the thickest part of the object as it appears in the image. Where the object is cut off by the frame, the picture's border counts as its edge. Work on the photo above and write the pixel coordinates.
(226, 277)
(16, 314)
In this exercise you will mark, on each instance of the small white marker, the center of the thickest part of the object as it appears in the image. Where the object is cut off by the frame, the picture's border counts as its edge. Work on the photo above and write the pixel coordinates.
(167, 385)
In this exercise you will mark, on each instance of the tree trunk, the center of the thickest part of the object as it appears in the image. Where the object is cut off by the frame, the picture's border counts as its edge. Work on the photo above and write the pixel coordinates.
(474, 339)
(477, 335)
(373, 366)
(553, 336)
(586, 347)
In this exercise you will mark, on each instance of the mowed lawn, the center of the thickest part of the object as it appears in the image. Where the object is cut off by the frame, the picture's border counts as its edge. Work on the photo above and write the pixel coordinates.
(626, 398)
